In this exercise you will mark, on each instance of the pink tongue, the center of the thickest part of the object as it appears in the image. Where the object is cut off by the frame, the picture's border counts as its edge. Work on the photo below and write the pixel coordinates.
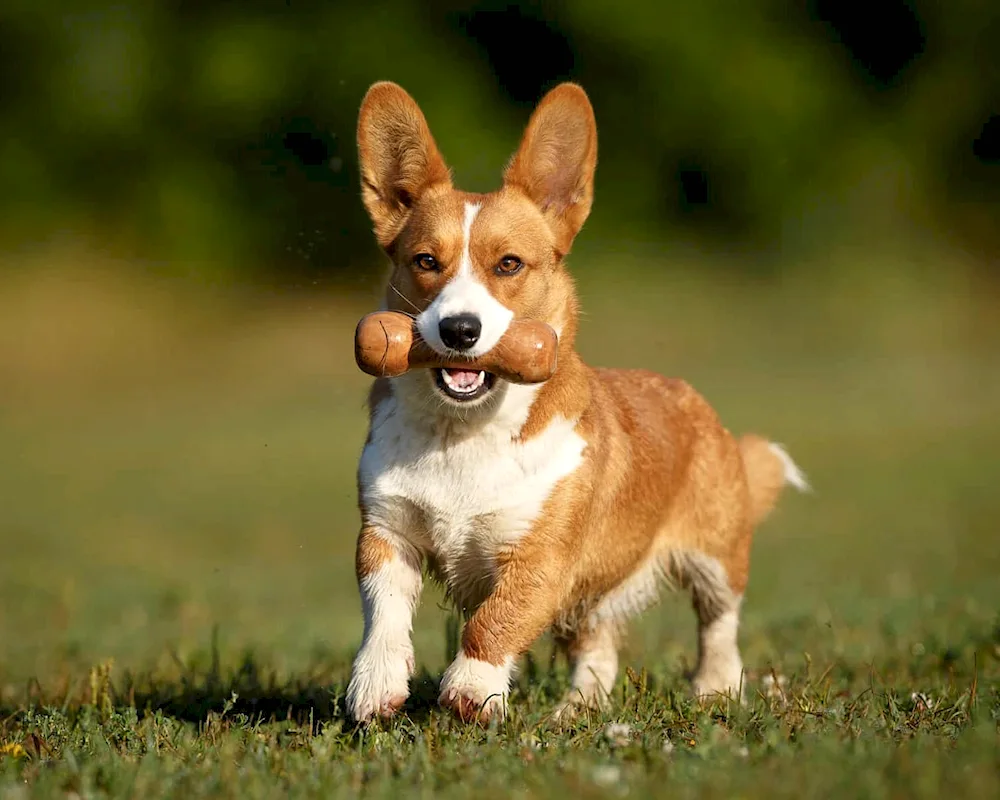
(463, 378)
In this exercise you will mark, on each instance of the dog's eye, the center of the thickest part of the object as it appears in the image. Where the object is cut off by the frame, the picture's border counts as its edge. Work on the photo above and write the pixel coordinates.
(426, 261)
(509, 265)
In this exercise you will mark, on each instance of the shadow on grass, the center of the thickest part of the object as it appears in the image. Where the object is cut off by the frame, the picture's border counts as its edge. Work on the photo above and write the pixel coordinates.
(201, 687)
(313, 699)
(198, 687)
(253, 690)
(257, 692)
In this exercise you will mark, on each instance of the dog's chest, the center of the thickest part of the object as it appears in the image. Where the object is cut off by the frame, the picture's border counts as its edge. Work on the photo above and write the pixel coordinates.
(462, 499)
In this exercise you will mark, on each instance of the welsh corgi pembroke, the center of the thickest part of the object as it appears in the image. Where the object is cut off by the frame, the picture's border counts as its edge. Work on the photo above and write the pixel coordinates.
(561, 506)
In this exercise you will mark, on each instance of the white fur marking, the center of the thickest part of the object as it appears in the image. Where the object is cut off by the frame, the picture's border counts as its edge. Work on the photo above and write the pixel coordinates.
(720, 670)
(463, 294)
(793, 475)
(465, 264)
(704, 576)
(641, 589)
(633, 595)
(595, 669)
(483, 683)
(382, 668)
(464, 495)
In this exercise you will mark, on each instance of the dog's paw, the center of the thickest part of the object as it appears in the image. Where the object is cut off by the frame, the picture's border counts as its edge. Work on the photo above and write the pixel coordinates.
(566, 711)
(380, 682)
(476, 690)
(720, 682)
(575, 702)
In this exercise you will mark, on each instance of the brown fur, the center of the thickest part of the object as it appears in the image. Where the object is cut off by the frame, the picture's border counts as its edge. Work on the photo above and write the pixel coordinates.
(371, 553)
(765, 475)
(660, 474)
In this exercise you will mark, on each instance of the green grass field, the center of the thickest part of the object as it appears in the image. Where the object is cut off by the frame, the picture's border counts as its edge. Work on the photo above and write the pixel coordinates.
(178, 610)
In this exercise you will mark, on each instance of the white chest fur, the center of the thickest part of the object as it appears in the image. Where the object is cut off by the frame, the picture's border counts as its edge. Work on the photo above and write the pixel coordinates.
(462, 495)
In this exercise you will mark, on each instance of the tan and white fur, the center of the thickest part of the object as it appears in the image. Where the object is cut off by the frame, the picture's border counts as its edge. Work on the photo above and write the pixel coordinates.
(561, 506)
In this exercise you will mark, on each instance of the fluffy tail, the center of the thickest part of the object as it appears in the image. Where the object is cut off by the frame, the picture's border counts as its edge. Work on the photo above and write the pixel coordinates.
(768, 468)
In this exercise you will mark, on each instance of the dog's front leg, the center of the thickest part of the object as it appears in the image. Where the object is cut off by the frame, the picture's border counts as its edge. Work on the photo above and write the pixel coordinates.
(527, 591)
(389, 579)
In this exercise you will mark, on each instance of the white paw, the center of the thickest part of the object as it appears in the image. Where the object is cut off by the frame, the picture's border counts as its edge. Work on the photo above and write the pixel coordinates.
(380, 681)
(568, 709)
(581, 698)
(722, 679)
(476, 690)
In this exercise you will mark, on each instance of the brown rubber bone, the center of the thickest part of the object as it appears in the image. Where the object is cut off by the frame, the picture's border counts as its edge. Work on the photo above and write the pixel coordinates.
(386, 345)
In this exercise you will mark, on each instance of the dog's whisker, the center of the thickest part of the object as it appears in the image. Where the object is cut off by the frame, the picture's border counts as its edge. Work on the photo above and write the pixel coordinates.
(405, 299)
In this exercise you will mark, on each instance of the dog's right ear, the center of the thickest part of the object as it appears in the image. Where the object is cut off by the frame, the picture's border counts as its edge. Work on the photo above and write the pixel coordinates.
(398, 158)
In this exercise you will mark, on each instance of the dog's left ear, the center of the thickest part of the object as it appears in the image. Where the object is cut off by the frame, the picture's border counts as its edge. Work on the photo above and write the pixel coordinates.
(555, 163)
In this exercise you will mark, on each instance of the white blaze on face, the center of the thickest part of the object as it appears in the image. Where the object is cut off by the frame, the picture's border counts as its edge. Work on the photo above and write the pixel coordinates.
(463, 294)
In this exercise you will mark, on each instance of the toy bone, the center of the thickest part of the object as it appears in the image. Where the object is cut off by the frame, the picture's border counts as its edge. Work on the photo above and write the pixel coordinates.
(387, 345)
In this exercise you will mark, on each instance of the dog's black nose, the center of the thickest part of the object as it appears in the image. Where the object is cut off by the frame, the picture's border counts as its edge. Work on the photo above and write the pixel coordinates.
(461, 331)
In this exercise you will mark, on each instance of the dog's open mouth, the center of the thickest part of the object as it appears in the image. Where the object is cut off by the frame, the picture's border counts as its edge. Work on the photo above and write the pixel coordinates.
(463, 385)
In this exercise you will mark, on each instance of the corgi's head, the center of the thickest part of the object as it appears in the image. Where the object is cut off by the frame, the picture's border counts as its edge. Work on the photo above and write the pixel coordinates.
(466, 264)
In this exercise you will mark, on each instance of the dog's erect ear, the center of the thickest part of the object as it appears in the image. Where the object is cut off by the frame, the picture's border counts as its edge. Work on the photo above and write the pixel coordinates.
(555, 163)
(398, 158)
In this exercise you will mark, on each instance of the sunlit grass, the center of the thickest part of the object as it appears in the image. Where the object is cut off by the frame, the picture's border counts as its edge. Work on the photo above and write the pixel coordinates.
(177, 601)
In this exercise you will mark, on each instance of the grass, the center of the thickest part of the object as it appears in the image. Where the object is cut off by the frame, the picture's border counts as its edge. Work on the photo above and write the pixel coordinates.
(177, 603)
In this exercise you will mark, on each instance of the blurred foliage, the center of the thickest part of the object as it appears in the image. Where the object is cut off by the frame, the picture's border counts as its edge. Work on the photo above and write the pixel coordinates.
(220, 135)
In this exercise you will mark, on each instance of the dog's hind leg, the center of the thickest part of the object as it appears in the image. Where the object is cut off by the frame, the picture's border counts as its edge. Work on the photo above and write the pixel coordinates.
(593, 652)
(717, 604)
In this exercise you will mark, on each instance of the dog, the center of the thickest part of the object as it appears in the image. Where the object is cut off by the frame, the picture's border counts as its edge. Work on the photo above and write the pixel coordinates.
(558, 507)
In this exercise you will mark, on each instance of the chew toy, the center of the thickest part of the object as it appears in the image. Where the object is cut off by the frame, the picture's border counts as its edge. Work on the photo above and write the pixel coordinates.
(387, 345)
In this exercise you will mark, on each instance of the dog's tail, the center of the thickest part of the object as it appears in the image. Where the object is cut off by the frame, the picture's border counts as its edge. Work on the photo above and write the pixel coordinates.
(769, 468)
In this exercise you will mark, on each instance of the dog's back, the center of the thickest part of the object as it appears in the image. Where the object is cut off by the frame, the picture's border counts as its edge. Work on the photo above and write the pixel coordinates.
(556, 506)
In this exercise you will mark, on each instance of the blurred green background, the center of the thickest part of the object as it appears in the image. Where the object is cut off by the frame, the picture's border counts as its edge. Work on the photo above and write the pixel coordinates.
(795, 209)
(217, 139)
